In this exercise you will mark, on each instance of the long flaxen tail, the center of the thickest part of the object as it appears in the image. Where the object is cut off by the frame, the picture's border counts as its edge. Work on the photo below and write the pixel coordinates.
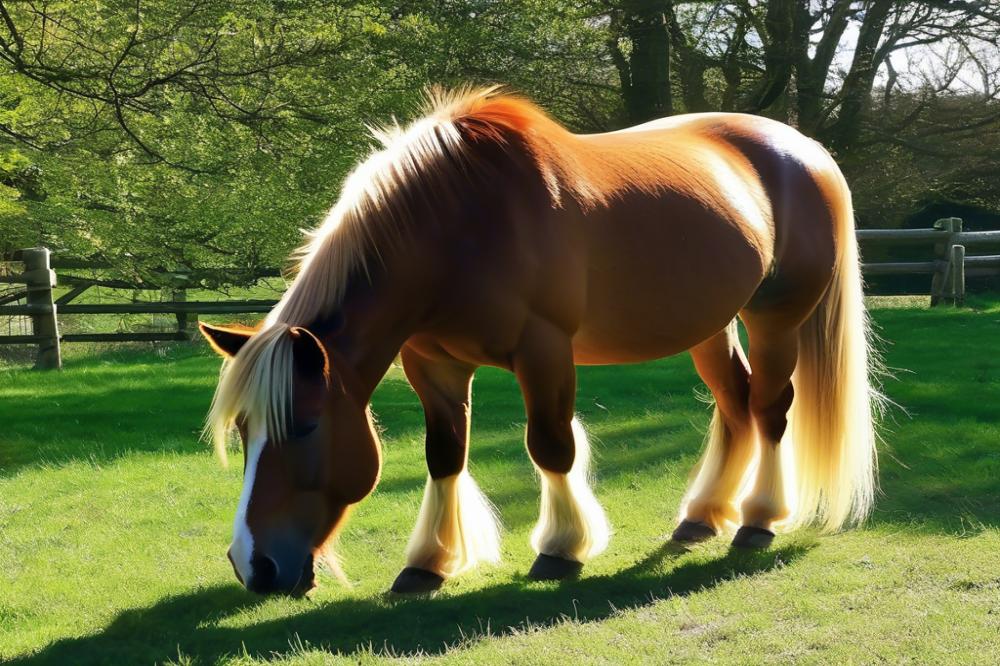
(834, 413)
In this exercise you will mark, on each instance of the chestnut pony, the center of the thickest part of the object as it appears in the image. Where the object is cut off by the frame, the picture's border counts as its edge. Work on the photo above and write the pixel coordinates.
(487, 234)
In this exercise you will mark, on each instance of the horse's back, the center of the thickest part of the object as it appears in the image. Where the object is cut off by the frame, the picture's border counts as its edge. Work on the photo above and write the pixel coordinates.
(742, 218)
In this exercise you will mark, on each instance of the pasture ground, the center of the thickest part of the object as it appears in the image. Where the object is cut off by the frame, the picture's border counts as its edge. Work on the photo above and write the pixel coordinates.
(114, 521)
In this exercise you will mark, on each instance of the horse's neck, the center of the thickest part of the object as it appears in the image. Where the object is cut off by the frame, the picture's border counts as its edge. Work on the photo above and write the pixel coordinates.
(412, 270)
(376, 321)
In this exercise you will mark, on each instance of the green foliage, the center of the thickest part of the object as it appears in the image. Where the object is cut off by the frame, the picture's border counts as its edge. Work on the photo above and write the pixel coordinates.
(114, 520)
(173, 134)
(189, 134)
(14, 167)
(164, 134)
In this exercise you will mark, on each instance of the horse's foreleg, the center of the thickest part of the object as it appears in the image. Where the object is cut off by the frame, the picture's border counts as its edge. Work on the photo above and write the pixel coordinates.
(572, 526)
(709, 503)
(456, 528)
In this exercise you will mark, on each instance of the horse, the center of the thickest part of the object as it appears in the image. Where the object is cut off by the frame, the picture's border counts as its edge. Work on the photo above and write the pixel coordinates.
(487, 234)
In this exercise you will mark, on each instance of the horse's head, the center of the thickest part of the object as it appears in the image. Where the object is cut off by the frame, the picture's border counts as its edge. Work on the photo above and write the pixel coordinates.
(310, 450)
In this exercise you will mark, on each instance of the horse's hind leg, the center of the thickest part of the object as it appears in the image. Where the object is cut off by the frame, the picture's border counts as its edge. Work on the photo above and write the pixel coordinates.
(773, 355)
(572, 526)
(709, 504)
(456, 528)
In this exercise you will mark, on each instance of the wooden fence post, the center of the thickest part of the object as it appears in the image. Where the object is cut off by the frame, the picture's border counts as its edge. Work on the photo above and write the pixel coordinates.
(941, 283)
(40, 278)
(183, 319)
(958, 274)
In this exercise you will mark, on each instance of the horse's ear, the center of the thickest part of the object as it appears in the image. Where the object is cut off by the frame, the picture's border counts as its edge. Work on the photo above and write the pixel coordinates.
(310, 355)
(227, 340)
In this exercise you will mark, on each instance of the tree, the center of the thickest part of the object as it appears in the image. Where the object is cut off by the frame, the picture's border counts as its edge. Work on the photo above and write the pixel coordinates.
(164, 134)
(644, 72)
(171, 133)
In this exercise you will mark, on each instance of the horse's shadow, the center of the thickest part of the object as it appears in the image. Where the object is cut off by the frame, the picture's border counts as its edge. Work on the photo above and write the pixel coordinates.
(194, 624)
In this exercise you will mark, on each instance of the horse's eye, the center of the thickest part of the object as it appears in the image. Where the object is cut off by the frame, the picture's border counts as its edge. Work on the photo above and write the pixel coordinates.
(304, 428)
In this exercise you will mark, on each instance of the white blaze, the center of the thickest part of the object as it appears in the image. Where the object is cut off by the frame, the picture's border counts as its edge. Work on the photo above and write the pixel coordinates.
(241, 550)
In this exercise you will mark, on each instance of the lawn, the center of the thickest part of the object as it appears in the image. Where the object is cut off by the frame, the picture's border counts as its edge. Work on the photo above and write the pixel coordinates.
(114, 520)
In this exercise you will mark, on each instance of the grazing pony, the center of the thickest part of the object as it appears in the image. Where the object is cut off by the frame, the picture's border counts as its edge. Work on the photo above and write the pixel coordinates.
(487, 234)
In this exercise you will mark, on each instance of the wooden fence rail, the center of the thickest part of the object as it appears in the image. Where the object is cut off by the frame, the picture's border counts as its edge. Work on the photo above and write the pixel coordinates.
(948, 269)
(950, 265)
(39, 279)
(179, 307)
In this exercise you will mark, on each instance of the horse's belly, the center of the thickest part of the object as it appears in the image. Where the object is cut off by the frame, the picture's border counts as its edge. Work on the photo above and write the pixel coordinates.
(658, 287)
(600, 349)
(617, 334)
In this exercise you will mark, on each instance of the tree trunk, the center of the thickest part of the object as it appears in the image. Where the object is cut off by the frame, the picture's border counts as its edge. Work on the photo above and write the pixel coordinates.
(732, 68)
(857, 88)
(779, 55)
(691, 66)
(645, 72)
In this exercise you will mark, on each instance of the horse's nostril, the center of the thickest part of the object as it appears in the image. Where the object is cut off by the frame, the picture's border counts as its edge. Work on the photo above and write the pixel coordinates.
(265, 573)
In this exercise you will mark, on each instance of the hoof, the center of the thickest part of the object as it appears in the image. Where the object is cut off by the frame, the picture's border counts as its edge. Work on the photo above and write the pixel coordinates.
(412, 580)
(690, 531)
(550, 567)
(753, 537)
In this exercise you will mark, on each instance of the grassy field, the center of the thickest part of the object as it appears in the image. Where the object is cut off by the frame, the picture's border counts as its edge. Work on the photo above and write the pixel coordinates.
(114, 521)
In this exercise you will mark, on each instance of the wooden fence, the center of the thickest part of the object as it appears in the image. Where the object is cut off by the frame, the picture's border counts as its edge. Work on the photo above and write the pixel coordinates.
(39, 278)
(948, 268)
(950, 264)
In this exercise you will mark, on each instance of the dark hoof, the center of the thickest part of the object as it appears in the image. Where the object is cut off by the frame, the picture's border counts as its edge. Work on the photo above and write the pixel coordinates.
(412, 580)
(690, 531)
(549, 567)
(753, 537)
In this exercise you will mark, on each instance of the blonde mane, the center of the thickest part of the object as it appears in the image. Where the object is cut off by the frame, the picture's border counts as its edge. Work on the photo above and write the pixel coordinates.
(375, 205)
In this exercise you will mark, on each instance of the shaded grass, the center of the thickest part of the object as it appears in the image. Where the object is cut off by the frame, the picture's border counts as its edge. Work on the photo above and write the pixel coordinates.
(114, 520)
(198, 621)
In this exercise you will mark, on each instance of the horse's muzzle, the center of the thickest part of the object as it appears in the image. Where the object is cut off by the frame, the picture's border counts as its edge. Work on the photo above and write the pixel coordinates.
(268, 577)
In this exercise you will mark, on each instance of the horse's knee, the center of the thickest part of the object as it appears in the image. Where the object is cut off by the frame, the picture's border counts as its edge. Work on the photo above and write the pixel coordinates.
(446, 450)
(552, 446)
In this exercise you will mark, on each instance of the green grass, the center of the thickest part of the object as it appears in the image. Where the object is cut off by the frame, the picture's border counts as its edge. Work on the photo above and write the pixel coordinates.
(114, 521)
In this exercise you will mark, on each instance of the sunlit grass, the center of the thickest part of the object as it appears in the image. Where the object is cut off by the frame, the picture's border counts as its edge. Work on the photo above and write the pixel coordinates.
(114, 520)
